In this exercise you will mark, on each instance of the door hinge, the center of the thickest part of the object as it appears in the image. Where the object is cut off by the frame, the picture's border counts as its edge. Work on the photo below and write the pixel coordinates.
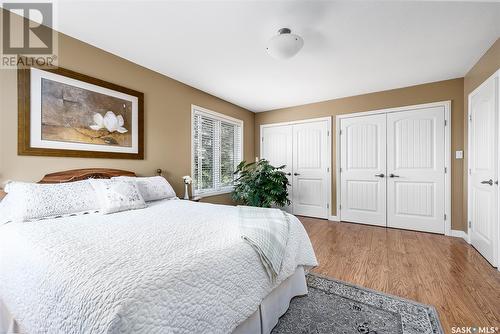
(327, 205)
(470, 118)
(470, 172)
(445, 216)
(328, 169)
(341, 170)
(445, 170)
(470, 224)
(340, 132)
(262, 139)
(340, 206)
(328, 132)
(445, 122)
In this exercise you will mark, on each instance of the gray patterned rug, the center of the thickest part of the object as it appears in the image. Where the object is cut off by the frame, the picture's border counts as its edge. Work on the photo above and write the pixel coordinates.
(337, 307)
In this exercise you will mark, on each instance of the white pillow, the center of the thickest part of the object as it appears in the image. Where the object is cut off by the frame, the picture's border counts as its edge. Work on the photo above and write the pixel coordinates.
(152, 188)
(117, 195)
(33, 201)
(6, 210)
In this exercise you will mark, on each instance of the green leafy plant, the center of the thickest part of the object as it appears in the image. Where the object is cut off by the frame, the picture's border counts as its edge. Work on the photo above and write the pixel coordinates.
(260, 184)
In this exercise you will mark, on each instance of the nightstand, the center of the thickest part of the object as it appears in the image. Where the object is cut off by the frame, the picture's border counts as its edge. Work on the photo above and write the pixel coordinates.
(193, 199)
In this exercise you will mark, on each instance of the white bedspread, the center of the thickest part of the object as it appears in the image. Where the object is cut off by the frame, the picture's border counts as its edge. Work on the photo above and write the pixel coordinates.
(175, 267)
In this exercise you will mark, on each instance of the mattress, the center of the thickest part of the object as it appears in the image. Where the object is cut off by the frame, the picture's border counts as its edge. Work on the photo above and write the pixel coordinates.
(175, 267)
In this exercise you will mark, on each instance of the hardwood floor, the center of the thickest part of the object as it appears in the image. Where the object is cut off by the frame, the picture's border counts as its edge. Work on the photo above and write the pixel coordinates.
(432, 269)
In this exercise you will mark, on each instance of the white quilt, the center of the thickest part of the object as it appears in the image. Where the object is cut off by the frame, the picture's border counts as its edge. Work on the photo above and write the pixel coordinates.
(175, 267)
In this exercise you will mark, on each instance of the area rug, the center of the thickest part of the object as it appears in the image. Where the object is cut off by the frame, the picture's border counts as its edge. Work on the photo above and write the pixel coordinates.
(333, 306)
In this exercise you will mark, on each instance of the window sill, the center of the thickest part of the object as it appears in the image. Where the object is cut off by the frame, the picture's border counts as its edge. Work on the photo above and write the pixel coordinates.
(213, 193)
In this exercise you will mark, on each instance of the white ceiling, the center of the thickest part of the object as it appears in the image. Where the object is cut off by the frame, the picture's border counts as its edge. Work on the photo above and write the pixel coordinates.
(350, 47)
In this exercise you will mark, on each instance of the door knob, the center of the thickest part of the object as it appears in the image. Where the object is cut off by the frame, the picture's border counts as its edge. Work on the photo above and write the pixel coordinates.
(393, 175)
(490, 182)
(296, 174)
(380, 175)
(288, 173)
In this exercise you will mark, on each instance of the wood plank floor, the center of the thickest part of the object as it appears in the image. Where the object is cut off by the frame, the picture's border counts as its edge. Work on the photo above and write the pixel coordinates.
(432, 269)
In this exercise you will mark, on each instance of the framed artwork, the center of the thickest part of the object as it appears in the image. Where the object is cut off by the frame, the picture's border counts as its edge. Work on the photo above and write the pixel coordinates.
(67, 114)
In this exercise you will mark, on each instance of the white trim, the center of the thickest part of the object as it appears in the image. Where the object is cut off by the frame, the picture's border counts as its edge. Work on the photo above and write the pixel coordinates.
(447, 161)
(391, 110)
(218, 115)
(469, 218)
(329, 148)
(337, 168)
(447, 165)
(334, 218)
(459, 234)
(302, 121)
(224, 118)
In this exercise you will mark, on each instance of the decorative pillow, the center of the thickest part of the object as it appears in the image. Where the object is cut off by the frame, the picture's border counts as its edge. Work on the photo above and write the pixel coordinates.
(33, 201)
(152, 188)
(118, 195)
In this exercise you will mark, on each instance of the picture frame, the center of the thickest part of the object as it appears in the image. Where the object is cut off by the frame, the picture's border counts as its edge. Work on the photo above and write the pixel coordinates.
(62, 113)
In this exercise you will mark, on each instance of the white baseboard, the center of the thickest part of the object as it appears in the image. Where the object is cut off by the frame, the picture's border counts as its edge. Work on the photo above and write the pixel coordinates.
(459, 234)
(454, 233)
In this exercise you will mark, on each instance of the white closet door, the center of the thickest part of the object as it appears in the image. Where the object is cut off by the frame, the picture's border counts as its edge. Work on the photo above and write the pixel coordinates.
(483, 192)
(363, 163)
(277, 148)
(415, 167)
(310, 169)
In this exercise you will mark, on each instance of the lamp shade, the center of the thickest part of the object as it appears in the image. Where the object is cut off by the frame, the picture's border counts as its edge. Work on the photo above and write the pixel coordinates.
(284, 45)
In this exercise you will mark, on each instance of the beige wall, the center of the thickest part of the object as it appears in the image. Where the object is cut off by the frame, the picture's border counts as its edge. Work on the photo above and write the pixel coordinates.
(438, 91)
(167, 106)
(488, 64)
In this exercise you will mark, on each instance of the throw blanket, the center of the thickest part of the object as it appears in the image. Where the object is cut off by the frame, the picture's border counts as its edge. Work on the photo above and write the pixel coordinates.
(267, 231)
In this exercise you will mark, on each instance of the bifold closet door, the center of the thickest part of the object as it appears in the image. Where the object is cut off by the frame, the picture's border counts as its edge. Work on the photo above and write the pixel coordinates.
(363, 169)
(304, 149)
(311, 164)
(415, 168)
(277, 148)
(483, 155)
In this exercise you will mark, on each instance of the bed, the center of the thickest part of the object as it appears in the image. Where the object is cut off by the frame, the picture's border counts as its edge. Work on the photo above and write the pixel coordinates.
(174, 267)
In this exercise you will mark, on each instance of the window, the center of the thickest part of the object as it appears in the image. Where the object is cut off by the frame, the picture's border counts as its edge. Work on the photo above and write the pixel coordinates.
(216, 151)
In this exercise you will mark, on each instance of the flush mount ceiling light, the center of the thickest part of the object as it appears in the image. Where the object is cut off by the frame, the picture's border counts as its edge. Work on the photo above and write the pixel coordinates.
(284, 45)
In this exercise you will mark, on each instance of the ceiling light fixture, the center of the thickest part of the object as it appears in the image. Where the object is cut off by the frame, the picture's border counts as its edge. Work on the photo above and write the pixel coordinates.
(284, 45)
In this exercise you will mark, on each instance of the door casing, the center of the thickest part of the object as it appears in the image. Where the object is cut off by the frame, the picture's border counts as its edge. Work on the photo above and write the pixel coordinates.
(447, 159)
(329, 150)
(496, 76)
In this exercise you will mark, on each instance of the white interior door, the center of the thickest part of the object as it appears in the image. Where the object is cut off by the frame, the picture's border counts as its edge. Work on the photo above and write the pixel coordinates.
(363, 169)
(277, 148)
(311, 164)
(415, 167)
(483, 155)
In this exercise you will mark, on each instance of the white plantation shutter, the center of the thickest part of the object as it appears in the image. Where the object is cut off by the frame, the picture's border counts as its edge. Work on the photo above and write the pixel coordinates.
(217, 149)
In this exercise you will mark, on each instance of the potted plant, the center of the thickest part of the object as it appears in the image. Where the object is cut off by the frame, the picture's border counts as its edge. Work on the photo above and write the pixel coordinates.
(261, 184)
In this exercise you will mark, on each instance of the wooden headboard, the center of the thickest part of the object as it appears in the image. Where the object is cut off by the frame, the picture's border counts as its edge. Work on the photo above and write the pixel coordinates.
(83, 174)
